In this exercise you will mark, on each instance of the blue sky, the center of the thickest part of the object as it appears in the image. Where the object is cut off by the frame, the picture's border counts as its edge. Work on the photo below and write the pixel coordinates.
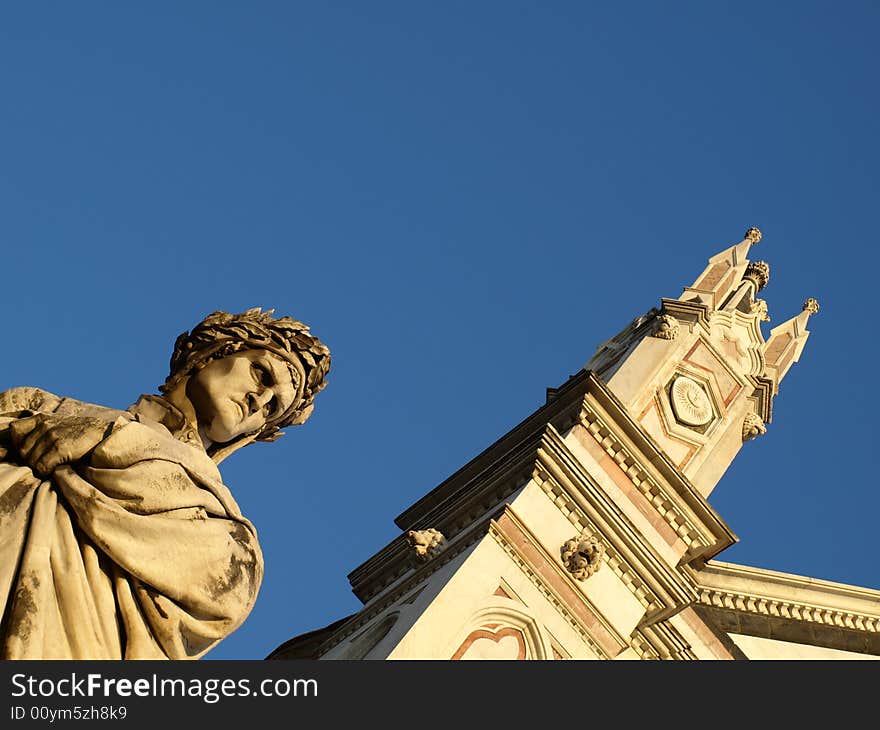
(462, 199)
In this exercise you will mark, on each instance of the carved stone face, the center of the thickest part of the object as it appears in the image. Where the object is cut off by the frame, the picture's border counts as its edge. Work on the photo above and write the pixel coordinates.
(240, 393)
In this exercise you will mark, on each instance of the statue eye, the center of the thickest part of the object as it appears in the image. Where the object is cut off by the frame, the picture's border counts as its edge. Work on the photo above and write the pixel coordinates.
(270, 408)
(262, 375)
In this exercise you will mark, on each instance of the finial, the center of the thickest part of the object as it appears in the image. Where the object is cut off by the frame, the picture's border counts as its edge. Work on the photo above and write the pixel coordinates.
(753, 235)
(759, 273)
(811, 305)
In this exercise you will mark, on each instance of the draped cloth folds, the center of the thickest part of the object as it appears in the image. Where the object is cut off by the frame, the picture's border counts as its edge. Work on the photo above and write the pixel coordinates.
(136, 551)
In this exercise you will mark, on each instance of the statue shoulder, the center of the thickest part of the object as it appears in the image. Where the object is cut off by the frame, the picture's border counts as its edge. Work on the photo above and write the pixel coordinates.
(27, 398)
(37, 400)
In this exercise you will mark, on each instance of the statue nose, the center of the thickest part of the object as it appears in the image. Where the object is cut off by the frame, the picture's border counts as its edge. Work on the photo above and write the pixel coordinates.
(256, 401)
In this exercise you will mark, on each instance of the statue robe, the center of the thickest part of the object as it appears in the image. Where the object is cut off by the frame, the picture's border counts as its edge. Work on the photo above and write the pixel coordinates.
(135, 551)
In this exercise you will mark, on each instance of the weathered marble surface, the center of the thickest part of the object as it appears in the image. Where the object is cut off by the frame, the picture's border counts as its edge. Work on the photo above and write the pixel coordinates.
(118, 538)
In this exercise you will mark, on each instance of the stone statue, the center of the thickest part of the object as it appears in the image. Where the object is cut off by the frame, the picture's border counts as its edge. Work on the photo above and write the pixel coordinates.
(118, 538)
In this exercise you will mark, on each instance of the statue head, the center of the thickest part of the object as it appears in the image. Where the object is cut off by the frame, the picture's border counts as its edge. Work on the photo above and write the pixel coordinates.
(225, 354)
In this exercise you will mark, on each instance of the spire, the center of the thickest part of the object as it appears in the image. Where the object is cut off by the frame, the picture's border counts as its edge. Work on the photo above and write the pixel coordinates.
(786, 342)
(707, 351)
(725, 272)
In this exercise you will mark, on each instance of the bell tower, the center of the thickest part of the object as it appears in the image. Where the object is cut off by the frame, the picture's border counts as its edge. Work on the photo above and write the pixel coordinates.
(585, 531)
(697, 374)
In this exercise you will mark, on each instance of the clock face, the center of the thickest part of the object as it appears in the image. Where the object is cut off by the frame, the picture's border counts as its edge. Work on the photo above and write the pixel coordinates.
(689, 401)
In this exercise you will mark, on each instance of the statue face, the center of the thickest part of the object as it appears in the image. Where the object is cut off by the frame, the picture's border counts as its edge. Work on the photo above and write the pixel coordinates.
(240, 393)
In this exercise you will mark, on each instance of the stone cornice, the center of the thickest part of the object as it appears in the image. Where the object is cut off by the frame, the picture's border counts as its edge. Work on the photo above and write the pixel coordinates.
(691, 310)
(516, 540)
(684, 509)
(775, 585)
(661, 641)
(661, 588)
(562, 406)
(390, 588)
(450, 517)
(668, 501)
(485, 481)
(568, 405)
(507, 465)
(770, 604)
(763, 395)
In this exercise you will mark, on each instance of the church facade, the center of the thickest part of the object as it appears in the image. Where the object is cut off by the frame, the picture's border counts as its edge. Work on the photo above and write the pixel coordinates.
(585, 532)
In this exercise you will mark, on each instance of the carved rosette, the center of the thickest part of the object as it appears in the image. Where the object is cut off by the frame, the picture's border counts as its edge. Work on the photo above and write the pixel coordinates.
(689, 402)
(758, 272)
(811, 305)
(582, 556)
(753, 235)
(426, 544)
(753, 426)
(667, 327)
(759, 307)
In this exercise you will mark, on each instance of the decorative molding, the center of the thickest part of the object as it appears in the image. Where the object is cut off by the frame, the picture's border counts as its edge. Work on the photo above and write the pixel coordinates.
(370, 637)
(661, 588)
(497, 470)
(415, 579)
(495, 635)
(759, 307)
(795, 610)
(762, 397)
(661, 641)
(462, 505)
(642, 647)
(504, 467)
(453, 518)
(494, 621)
(513, 536)
(753, 426)
(753, 235)
(706, 364)
(426, 544)
(667, 327)
(582, 556)
(690, 403)
(659, 495)
(744, 600)
(631, 447)
(758, 272)
(687, 310)
(409, 600)
(737, 338)
(811, 305)
(615, 560)
(692, 439)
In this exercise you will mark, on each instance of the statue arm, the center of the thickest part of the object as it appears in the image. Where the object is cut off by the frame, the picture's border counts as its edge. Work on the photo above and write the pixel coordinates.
(185, 565)
(187, 560)
(42, 430)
